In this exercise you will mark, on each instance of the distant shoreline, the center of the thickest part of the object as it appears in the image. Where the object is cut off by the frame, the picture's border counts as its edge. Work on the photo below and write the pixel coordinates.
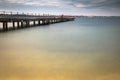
(99, 16)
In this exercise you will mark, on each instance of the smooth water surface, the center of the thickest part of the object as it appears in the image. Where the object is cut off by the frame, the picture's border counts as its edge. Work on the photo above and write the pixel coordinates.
(84, 49)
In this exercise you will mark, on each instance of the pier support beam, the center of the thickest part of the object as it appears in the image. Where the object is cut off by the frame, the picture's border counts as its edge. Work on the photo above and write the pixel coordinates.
(27, 24)
(18, 24)
(48, 21)
(21, 24)
(34, 23)
(5, 26)
(43, 22)
(38, 22)
(13, 25)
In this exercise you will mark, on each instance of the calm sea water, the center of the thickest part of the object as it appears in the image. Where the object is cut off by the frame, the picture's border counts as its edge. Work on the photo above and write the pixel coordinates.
(84, 49)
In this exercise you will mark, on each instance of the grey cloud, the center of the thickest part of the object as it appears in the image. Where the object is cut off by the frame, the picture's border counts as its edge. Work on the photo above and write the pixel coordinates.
(67, 3)
(78, 6)
(98, 3)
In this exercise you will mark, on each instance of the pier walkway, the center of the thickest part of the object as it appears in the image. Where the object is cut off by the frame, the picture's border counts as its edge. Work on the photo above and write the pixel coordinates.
(22, 20)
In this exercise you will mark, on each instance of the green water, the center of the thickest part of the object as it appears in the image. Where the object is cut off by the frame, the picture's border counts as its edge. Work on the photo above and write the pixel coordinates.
(84, 49)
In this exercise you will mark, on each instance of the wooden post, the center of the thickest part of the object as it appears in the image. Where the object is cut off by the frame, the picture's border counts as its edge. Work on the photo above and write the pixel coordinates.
(47, 21)
(43, 22)
(18, 25)
(38, 22)
(22, 24)
(4, 26)
(50, 21)
(27, 23)
(13, 25)
(34, 23)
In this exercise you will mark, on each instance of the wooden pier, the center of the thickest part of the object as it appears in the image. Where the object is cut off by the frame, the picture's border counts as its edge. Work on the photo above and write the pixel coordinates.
(24, 20)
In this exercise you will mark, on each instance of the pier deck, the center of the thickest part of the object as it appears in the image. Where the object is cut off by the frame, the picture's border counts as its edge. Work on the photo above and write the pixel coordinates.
(24, 20)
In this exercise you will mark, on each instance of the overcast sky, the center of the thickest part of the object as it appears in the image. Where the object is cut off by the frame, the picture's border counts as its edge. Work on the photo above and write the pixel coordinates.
(74, 7)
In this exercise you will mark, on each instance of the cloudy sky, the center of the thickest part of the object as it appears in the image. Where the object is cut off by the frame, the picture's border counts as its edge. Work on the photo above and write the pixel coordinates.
(74, 7)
